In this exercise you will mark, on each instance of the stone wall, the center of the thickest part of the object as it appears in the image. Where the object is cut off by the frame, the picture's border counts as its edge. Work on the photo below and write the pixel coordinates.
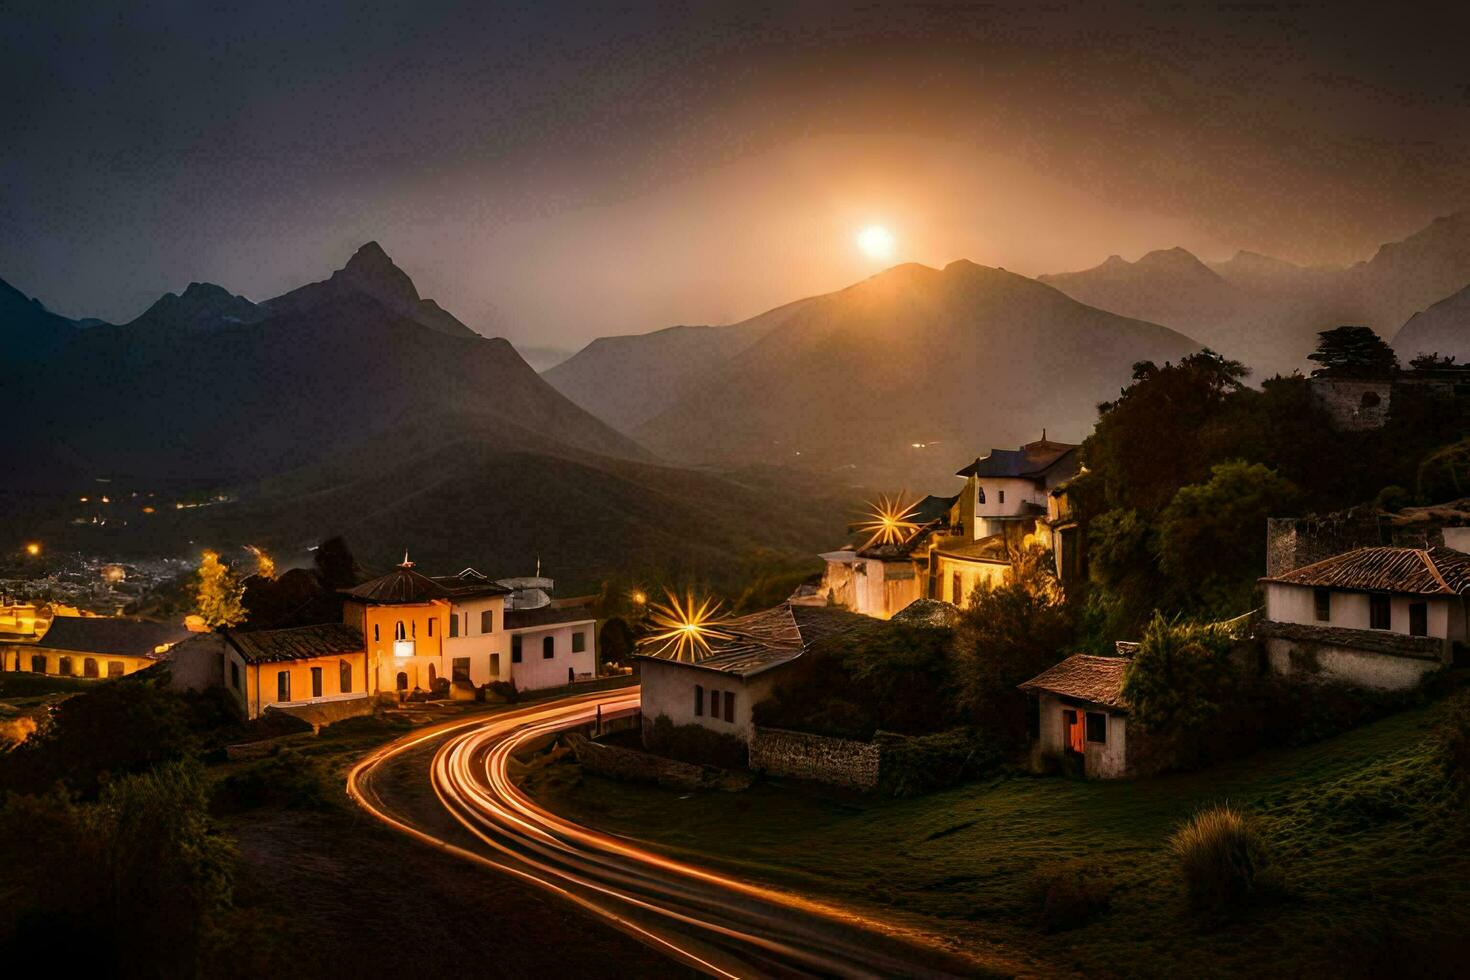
(1293, 542)
(1352, 404)
(798, 755)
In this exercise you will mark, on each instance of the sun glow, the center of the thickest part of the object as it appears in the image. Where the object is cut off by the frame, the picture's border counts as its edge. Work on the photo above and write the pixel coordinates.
(889, 521)
(876, 242)
(685, 626)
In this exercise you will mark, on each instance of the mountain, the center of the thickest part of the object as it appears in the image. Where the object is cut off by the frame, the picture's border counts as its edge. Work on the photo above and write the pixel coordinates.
(1443, 329)
(865, 381)
(27, 329)
(370, 271)
(628, 380)
(542, 359)
(1266, 311)
(203, 306)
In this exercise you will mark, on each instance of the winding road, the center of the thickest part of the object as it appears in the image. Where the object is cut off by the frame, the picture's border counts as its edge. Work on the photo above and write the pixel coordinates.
(713, 923)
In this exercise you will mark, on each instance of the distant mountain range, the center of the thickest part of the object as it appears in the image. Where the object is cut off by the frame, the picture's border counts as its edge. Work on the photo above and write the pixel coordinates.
(1266, 311)
(1442, 329)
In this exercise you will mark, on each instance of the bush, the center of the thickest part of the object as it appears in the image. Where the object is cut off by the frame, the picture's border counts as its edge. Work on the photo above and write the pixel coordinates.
(913, 765)
(696, 744)
(1069, 894)
(505, 690)
(1445, 474)
(287, 779)
(1180, 678)
(1223, 859)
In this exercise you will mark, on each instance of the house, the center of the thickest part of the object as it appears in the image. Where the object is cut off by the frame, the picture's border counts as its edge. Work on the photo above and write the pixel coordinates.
(720, 689)
(551, 645)
(1080, 713)
(1379, 617)
(93, 646)
(1006, 491)
(308, 667)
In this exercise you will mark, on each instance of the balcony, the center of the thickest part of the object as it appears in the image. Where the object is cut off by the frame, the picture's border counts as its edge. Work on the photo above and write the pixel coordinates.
(403, 648)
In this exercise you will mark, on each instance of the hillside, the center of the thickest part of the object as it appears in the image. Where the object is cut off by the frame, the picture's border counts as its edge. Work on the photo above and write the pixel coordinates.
(28, 330)
(625, 381)
(955, 361)
(1443, 329)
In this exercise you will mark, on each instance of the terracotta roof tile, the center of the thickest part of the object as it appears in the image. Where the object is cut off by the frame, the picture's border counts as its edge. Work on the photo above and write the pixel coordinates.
(1086, 678)
(299, 643)
(1417, 571)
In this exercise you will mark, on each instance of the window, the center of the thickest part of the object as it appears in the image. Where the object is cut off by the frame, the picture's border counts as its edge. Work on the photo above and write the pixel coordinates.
(1001, 495)
(38, 664)
(548, 648)
(399, 633)
(376, 638)
(1322, 604)
(956, 594)
(453, 626)
(460, 668)
(1418, 619)
(344, 677)
(579, 642)
(114, 668)
(1380, 613)
(63, 667)
(730, 706)
(413, 629)
(234, 675)
(487, 621)
(515, 649)
(431, 626)
(1097, 727)
(316, 682)
(89, 667)
(283, 685)
(714, 704)
(979, 495)
(494, 665)
(698, 699)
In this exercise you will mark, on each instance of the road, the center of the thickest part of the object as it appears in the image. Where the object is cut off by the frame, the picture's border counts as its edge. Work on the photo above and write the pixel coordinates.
(715, 924)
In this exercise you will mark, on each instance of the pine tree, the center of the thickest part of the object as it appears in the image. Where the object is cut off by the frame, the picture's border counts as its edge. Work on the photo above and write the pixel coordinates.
(218, 597)
(1353, 352)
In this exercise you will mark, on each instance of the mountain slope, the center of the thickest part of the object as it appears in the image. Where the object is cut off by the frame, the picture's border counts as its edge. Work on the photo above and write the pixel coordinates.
(628, 380)
(1405, 277)
(203, 306)
(27, 329)
(969, 357)
(372, 272)
(1442, 329)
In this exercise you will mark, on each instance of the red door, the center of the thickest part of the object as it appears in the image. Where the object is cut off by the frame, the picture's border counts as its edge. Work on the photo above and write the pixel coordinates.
(1074, 731)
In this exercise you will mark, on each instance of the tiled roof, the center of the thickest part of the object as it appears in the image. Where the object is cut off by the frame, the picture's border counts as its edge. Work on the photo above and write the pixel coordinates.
(298, 643)
(400, 586)
(1032, 460)
(1086, 678)
(109, 634)
(1417, 571)
(777, 636)
(469, 587)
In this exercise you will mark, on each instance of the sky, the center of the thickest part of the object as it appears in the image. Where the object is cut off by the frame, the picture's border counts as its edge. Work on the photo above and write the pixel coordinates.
(556, 172)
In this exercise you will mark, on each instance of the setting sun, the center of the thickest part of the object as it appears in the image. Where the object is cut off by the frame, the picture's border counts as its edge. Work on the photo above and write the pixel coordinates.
(876, 242)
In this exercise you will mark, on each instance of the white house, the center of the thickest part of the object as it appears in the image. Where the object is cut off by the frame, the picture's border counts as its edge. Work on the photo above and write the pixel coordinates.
(1081, 714)
(476, 649)
(549, 646)
(1011, 486)
(1379, 617)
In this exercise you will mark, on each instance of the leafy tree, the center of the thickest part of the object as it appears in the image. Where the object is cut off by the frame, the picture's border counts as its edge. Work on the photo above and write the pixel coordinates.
(335, 565)
(1353, 352)
(218, 596)
(615, 642)
(1007, 635)
(1431, 362)
(1180, 677)
(1212, 536)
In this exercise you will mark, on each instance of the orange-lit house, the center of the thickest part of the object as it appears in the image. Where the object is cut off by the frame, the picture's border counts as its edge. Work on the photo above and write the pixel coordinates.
(1080, 713)
(402, 617)
(317, 672)
(93, 646)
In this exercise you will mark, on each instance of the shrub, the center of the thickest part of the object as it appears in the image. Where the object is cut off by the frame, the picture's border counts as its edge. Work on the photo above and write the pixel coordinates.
(1223, 859)
(287, 779)
(1069, 894)
(696, 744)
(505, 690)
(918, 764)
(1179, 679)
(1445, 474)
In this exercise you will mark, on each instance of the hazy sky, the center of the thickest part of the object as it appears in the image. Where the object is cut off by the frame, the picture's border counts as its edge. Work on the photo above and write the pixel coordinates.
(554, 173)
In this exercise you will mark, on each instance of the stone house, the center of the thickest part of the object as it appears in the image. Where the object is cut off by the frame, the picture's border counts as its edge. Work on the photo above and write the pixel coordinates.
(1080, 713)
(1380, 617)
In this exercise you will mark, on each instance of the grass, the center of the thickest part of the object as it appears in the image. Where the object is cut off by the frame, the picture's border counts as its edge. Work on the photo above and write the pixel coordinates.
(1362, 827)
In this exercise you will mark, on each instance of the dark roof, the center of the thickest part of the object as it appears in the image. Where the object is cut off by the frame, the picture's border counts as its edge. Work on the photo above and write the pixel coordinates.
(933, 508)
(464, 586)
(516, 619)
(928, 612)
(1032, 460)
(1417, 571)
(401, 586)
(1098, 680)
(298, 643)
(110, 634)
(776, 636)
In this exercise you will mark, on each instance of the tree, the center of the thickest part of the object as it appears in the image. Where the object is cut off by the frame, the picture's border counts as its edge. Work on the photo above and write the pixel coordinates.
(1353, 352)
(1212, 536)
(1445, 474)
(1433, 362)
(1180, 677)
(218, 597)
(1007, 635)
(335, 565)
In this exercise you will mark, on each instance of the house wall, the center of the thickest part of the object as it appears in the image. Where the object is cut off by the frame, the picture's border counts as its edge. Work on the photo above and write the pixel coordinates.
(1364, 668)
(667, 688)
(1100, 761)
(378, 625)
(971, 573)
(1294, 604)
(536, 671)
(262, 684)
(476, 645)
(20, 658)
(197, 663)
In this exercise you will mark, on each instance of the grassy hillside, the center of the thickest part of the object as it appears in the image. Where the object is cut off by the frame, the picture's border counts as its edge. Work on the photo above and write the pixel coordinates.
(1364, 825)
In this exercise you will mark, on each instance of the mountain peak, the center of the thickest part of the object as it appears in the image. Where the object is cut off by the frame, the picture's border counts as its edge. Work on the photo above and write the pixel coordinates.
(372, 271)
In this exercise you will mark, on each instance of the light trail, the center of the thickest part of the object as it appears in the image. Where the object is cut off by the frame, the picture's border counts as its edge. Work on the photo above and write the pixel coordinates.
(706, 920)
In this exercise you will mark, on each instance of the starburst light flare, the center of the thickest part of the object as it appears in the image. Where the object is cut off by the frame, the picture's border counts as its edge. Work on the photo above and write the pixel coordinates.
(686, 627)
(890, 521)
